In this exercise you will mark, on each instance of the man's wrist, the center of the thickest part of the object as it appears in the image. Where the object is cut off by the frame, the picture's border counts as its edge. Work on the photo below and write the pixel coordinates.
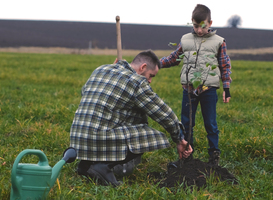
(181, 137)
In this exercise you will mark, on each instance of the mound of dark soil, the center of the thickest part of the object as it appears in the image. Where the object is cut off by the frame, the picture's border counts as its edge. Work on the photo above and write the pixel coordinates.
(194, 172)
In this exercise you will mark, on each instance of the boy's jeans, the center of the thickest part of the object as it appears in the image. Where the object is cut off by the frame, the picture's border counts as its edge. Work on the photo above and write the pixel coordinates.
(208, 100)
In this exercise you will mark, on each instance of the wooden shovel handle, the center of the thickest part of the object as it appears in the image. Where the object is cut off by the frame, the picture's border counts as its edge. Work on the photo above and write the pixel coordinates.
(119, 49)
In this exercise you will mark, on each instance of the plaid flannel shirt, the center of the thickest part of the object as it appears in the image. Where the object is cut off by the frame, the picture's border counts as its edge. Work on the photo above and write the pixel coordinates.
(112, 116)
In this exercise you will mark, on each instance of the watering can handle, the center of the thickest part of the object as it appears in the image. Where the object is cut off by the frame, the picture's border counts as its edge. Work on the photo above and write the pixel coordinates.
(43, 161)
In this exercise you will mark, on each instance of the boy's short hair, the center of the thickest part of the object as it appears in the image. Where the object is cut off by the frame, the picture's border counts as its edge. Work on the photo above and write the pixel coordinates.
(201, 13)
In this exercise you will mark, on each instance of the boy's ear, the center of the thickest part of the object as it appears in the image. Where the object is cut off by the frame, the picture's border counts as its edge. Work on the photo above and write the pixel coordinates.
(210, 23)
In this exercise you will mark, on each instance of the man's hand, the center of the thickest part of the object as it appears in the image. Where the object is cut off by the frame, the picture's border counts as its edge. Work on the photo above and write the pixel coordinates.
(181, 149)
(225, 100)
(115, 62)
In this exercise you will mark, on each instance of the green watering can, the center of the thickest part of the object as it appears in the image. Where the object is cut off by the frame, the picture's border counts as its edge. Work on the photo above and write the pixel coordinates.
(33, 181)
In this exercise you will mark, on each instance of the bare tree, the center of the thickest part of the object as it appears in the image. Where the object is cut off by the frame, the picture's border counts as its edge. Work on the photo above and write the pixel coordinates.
(234, 21)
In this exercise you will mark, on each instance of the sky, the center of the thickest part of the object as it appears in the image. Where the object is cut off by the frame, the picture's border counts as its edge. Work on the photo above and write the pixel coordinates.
(254, 14)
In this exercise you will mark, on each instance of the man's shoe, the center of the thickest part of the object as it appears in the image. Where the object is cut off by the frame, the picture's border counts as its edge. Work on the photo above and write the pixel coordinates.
(214, 159)
(101, 172)
(176, 164)
(127, 168)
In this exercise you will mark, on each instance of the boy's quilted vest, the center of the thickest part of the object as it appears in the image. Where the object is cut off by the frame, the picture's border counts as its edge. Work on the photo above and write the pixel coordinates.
(208, 47)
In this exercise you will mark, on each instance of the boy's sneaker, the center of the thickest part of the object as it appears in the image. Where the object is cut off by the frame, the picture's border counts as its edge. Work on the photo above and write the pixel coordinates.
(214, 159)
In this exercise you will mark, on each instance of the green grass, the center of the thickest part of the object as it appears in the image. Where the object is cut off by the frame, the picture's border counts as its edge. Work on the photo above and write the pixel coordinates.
(39, 94)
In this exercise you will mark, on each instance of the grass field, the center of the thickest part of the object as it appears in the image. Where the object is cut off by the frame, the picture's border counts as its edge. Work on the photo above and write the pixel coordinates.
(39, 94)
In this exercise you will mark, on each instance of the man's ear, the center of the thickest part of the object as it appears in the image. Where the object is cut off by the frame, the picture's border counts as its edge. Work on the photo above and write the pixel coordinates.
(142, 68)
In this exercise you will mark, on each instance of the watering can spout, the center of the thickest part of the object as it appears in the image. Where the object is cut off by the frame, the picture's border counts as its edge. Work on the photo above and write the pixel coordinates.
(69, 156)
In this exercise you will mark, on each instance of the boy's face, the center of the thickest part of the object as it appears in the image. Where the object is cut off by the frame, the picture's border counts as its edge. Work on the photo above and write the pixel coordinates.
(202, 28)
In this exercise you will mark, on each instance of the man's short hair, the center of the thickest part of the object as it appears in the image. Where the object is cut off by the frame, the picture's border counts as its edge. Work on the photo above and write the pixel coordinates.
(149, 58)
(201, 13)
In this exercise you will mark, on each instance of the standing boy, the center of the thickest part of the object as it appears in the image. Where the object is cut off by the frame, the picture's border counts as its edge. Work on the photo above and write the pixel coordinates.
(198, 48)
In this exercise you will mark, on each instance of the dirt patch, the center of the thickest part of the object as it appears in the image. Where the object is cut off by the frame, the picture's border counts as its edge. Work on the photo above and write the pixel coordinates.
(194, 172)
(260, 54)
(252, 57)
(62, 50)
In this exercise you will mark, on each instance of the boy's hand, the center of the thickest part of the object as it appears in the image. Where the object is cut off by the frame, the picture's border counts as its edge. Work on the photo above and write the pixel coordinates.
(225, 100)
(226, 95)
(181, 149)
